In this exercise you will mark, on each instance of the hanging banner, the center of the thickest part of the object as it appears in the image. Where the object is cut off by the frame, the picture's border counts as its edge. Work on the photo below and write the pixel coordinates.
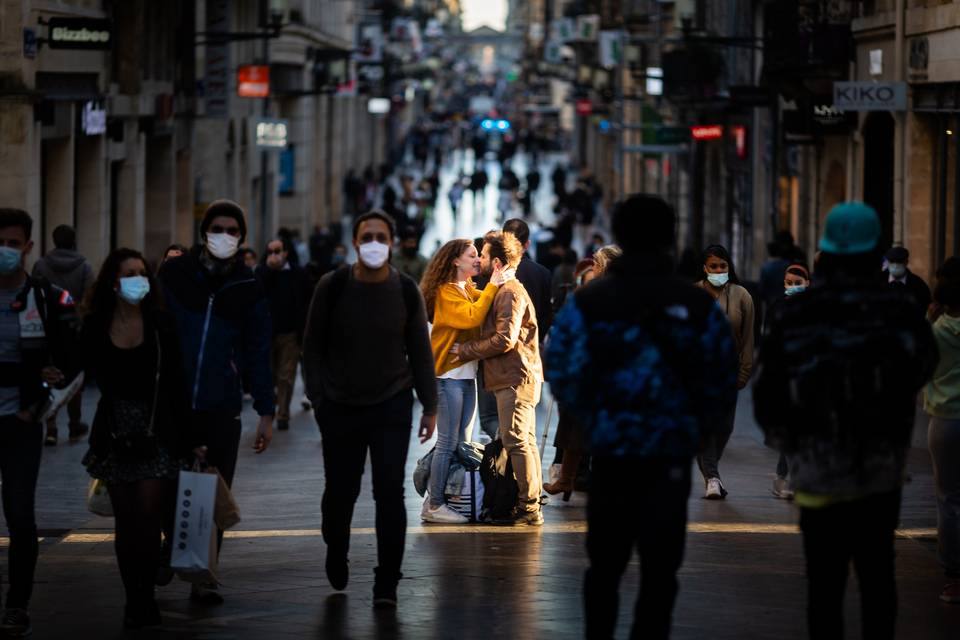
(551, 52)
(587, 28)
(369, 44)
(563, 30)
(217, 69)
(610, 53)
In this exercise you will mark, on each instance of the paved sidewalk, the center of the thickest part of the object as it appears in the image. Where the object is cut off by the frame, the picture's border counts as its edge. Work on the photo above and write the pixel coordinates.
(743, 576)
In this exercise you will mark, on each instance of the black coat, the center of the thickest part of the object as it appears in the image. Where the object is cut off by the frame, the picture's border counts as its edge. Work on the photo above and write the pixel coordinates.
(175, 423)
(288, 297)
(915, 288)
(538, 281)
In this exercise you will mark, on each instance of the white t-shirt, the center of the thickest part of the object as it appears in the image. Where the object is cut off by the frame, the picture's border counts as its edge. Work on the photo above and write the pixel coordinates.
(466, 371)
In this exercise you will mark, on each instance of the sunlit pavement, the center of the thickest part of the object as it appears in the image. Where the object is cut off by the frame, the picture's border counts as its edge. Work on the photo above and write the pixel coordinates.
(743, 576)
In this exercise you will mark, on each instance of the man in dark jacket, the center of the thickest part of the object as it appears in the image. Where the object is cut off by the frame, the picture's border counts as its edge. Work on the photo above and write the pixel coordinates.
(288, 294)
(38, 326)
(64, 267)
(366, 347)
(647, 362)
(840, 368)
(899, 276)
(224, 327)
(534, 277)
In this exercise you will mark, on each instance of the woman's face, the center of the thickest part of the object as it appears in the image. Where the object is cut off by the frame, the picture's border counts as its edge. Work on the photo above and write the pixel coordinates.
(468, 264)
(716, 265)
(794, 280)
(129, 268)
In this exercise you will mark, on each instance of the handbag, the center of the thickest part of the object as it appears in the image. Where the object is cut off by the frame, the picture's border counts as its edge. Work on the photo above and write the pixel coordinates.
(98, 499)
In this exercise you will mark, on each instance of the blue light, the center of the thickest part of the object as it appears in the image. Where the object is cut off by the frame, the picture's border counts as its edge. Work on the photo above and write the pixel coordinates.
(604, 125)
(487, 124)
(503, 125)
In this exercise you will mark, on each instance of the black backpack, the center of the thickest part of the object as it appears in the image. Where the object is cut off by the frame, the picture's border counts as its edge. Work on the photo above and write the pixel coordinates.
(500, 490)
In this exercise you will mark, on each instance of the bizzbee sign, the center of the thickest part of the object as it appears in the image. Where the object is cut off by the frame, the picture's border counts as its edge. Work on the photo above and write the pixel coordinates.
(80, 33)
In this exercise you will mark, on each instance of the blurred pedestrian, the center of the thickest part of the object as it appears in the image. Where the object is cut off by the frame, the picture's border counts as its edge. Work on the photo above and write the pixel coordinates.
(941, 400)
(647, 363)
(223, 322)
(719, 279)
(796, 280)
(457, 309)
(143, 430)
(534, 277)
(478, 185)
(38, 338)
(366, 347)
(509, 347)
(408, 260)
(898, 275)
(603, 257)
(249, 258)
(67, 269)
(840, 370)
(173, 251)
(288, 292)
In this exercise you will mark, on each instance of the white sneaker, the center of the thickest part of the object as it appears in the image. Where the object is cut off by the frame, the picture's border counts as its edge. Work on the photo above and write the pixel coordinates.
(715, 490)
(781, 489)
(443, 515)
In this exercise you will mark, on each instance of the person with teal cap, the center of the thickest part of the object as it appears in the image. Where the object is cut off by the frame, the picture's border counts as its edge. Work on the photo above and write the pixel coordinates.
(840, 369)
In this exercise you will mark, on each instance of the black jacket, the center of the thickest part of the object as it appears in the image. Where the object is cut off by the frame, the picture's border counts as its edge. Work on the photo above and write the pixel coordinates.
(914, 287)
(288, 296)
(538, 282)
(57, 346)
(174, 423)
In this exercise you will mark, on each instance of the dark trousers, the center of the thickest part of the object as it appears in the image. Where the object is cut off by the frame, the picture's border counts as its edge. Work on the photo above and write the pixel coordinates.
(347, 433)
(861, 531)
(657, 491)
(487, 408)
(223, 445)
(20, 446)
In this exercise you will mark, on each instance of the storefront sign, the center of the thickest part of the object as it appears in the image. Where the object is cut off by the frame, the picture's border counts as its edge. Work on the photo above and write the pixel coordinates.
(217, 68)
(739, 133)
(253, 81)
(584, 107)
(706, 132)
(378, 105)
(271, 133)
(870, 96)
(93, 119)
(80, 33)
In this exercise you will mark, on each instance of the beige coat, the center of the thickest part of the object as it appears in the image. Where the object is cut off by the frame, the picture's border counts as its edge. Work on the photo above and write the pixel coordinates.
(737, 303)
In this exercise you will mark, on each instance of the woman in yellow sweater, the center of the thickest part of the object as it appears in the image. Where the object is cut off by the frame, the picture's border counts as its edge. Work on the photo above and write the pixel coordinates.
(457, 309)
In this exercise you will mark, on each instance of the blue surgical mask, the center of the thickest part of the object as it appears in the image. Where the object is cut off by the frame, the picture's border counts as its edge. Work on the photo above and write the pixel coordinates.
(897, 269)
(718, 279)
(792, 291)
(10, 259)
(134, 289)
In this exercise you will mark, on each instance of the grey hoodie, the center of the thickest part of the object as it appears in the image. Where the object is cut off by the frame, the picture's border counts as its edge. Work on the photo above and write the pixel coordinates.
(68, 270)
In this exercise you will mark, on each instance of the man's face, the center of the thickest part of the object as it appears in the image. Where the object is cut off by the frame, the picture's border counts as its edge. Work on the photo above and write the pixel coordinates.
(276, 256)
(15, 238)
(373, 230)
(487, 264)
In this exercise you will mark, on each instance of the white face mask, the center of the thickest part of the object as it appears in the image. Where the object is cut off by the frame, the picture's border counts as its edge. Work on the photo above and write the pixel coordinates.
(718, 279)
(222, 246)
(374, 254)
(898, 269)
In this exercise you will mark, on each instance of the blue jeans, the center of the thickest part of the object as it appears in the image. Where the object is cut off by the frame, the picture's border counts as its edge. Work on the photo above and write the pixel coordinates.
(457, 400)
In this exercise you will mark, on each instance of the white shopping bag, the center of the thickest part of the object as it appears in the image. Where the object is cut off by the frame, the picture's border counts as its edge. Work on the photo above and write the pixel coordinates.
(470, 501)
(98, 500)
(60, 397)
(194, 555)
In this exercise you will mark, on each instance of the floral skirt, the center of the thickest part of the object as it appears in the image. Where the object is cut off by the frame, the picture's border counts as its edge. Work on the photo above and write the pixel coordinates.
(112, 470)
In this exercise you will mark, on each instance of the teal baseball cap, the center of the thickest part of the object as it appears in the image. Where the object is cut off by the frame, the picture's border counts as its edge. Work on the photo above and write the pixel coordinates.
(851, 227)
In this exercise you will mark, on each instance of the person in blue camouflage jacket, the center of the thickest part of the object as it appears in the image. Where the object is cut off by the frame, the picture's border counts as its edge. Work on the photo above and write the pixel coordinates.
(647, 362)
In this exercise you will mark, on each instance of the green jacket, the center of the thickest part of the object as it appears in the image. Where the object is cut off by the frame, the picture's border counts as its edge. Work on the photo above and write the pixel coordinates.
(941, 396)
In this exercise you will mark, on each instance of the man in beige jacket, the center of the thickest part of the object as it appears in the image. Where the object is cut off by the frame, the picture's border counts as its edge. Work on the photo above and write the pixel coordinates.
(510, 351)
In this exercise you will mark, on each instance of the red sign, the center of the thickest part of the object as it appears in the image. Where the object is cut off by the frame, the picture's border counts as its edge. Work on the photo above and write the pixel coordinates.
(584, 107)
(739, 133)
(707, 132)
(253, 81)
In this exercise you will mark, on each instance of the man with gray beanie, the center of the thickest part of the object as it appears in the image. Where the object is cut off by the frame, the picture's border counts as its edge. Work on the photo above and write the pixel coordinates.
(840, 369)
(223, 323)
(647, 362)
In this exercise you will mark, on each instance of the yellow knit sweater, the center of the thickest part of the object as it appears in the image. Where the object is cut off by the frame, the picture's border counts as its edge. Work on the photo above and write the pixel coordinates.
(457, 316)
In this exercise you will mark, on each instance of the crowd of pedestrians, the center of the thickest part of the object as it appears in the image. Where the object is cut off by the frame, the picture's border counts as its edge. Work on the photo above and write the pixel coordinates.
(645, 365)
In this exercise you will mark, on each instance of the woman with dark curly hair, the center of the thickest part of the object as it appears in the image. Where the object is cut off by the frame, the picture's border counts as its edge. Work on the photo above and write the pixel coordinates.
(941, 399)
(457, 309)
(143, 428)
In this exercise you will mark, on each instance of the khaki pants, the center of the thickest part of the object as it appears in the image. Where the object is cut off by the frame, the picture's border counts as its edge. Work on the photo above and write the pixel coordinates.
(285, 354)
(516, 408)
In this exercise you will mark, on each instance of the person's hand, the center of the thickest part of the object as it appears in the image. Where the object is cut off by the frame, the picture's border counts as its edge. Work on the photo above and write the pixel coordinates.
(508, 275)
(52, 376)
(496, 277)
(264, 434)
(455, 350)
(428, 424)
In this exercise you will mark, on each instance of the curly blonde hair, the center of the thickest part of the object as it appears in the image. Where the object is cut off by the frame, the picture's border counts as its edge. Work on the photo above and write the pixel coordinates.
(442, 270)
(604, 256)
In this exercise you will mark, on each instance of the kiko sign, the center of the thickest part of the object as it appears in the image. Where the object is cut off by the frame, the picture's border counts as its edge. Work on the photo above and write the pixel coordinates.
(870, 96)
